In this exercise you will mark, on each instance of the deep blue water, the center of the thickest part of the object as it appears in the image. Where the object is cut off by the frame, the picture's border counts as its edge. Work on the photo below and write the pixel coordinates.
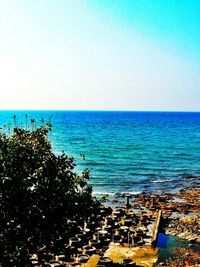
(125, 151)
(167, 245)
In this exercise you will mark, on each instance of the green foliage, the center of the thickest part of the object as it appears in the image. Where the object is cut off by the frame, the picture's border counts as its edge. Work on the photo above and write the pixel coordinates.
(40, 195)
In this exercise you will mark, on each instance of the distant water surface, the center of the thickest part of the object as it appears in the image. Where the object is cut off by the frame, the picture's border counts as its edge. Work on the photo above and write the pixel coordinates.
(125, 151)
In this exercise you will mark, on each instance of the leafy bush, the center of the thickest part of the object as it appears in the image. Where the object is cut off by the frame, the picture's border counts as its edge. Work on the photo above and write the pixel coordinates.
(42, 198)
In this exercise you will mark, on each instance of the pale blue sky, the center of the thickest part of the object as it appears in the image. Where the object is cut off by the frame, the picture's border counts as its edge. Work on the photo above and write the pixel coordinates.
(105, 54)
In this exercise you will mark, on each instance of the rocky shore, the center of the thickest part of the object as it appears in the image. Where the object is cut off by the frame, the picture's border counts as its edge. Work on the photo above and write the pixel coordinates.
(126, 233)
(186, 227)
(180, 218)
(184, 258)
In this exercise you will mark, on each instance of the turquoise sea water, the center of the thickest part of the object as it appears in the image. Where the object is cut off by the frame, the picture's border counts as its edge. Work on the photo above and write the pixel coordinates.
(125, 151)
(168, 244)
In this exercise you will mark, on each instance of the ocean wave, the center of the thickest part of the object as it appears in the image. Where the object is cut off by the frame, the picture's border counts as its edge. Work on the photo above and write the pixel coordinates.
(103, 193)
(162, 180)
(131, 193)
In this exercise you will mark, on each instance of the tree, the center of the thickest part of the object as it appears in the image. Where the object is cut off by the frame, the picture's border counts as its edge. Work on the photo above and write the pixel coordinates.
(41, 195)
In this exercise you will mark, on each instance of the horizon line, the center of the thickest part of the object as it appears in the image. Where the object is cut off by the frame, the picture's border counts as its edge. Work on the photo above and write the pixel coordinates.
(100, 110)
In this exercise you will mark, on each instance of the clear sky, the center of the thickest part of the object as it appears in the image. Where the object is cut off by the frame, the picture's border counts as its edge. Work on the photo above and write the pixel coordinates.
(100, 54)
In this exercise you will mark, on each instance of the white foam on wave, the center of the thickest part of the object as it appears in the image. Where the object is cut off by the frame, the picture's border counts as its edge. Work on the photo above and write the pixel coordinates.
(103, 193)
(161, 180)
(117, 193)
(131, 193)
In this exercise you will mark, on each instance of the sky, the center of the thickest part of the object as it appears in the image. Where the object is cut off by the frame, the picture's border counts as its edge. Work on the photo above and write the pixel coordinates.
(100, 54)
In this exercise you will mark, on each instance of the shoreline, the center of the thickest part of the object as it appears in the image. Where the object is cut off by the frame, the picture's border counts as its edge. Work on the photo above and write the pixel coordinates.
(181, 218)
(183, 206)
(127, 233)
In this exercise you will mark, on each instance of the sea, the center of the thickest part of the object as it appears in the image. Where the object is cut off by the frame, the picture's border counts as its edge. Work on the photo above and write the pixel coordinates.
(124, 151)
